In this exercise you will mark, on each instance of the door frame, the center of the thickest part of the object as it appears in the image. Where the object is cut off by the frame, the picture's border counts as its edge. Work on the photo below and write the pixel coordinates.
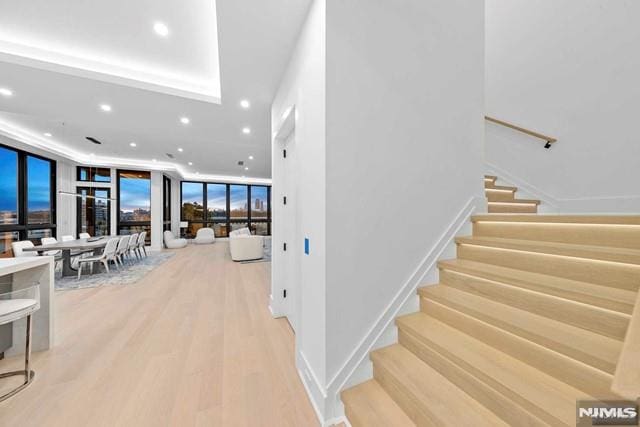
(280, 306)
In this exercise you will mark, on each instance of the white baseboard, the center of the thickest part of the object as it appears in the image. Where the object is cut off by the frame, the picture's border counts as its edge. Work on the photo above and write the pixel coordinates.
(356, 368)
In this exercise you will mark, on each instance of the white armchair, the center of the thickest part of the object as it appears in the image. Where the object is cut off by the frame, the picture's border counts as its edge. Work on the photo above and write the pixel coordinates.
(171, 242)
(205, 236)
(244, 246)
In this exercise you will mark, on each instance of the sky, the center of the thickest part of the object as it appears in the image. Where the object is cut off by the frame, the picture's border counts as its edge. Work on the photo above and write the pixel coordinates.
(8, 179)
(38, 181)
(217, 195)
(135, 193)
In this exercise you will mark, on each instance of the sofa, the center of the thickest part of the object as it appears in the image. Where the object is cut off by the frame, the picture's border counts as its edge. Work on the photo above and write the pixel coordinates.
(171, 242)
(244, 246)
(205, 236)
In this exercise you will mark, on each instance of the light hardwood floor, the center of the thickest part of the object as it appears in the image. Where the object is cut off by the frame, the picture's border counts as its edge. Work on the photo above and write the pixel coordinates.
(192, 344)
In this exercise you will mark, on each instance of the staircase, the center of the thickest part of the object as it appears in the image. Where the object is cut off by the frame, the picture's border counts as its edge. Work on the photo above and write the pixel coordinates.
(501, 199)
(530, 317)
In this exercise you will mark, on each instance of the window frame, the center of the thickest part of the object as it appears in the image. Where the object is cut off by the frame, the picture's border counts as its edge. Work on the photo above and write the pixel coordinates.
(227, 221)
(89, 168)
(91, 191)
(119, 222)
(23, 227)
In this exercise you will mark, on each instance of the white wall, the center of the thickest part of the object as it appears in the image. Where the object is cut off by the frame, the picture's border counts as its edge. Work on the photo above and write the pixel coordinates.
(303, 86)
(404, 147)
(568, 69)
(390, 151)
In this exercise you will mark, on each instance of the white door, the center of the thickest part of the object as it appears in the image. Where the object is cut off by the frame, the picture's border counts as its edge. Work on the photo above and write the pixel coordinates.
(291, 232)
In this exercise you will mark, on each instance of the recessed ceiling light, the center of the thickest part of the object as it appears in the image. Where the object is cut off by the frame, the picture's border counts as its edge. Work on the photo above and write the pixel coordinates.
(246, 168)
(105, 107)
(245, 104)
(180, 150)
(185, 120)
(92, 154)
(246, 130)
(161, 29)
(6, 92)
(190, 163)
(250, 157)
(133, 144)
(48, 135)
(154, 160)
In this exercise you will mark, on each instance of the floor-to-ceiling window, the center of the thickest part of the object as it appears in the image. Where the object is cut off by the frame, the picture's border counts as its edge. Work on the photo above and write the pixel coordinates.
(166, 203)
(217, 208)
(226, 207)
(192, 194)
(27, 197)
(93, 210)
(134, 202)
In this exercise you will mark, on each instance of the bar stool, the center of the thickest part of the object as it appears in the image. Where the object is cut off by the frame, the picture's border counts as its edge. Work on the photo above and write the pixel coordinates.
(14, 306)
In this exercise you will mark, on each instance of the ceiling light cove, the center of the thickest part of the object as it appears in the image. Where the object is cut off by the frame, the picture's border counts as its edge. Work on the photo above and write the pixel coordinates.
(185, 120)
(246, 130)
(161, 29)
(105, 107)
(6, 92)
(245, 104)
(133, 144)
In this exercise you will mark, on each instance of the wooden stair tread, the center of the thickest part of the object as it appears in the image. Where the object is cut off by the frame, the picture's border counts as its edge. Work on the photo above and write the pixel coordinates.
(591, 348)
(502, 188)
(621, 300)
(561, 219)
(490, 177)
(604, 253)
(367, 404)
(427, 396)
(495, 367)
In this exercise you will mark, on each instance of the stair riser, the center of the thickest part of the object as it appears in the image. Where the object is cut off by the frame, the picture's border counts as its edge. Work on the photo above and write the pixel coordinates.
(416, 410)
(599, 296)
(512, 208)
(579, 375)
(501, 401)
(499, 196)
(622, 276)
(620, 236)
(604, 322)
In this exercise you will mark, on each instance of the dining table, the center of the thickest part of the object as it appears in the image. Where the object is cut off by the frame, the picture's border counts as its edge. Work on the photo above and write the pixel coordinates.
(72, 248)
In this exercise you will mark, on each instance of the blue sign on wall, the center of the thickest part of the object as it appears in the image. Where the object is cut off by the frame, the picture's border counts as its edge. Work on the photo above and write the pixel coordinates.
(306, 245)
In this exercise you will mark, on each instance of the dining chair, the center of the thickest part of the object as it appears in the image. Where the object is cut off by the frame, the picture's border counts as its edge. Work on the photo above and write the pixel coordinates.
(16, 305)
(133, 245)
(18, 248)
(84, 235)
(142, 241)
(109, 254)
(123, 247)
(56, 254)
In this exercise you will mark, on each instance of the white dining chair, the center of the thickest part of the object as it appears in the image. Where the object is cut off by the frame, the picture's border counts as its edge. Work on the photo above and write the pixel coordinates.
(133, 245)
(85, 235)
(123, 247)
(18, 248)
(142, 241)
(109, 254)
(16, 305)
(50, 241)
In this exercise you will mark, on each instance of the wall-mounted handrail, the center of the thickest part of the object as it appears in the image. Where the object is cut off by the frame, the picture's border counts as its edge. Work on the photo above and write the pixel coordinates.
(546, 138)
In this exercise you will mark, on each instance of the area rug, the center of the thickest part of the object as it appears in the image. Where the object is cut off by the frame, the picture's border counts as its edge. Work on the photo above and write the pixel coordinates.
(130, 274)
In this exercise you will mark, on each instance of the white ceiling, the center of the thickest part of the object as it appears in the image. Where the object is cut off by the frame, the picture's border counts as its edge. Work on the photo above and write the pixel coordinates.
(254, 41)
